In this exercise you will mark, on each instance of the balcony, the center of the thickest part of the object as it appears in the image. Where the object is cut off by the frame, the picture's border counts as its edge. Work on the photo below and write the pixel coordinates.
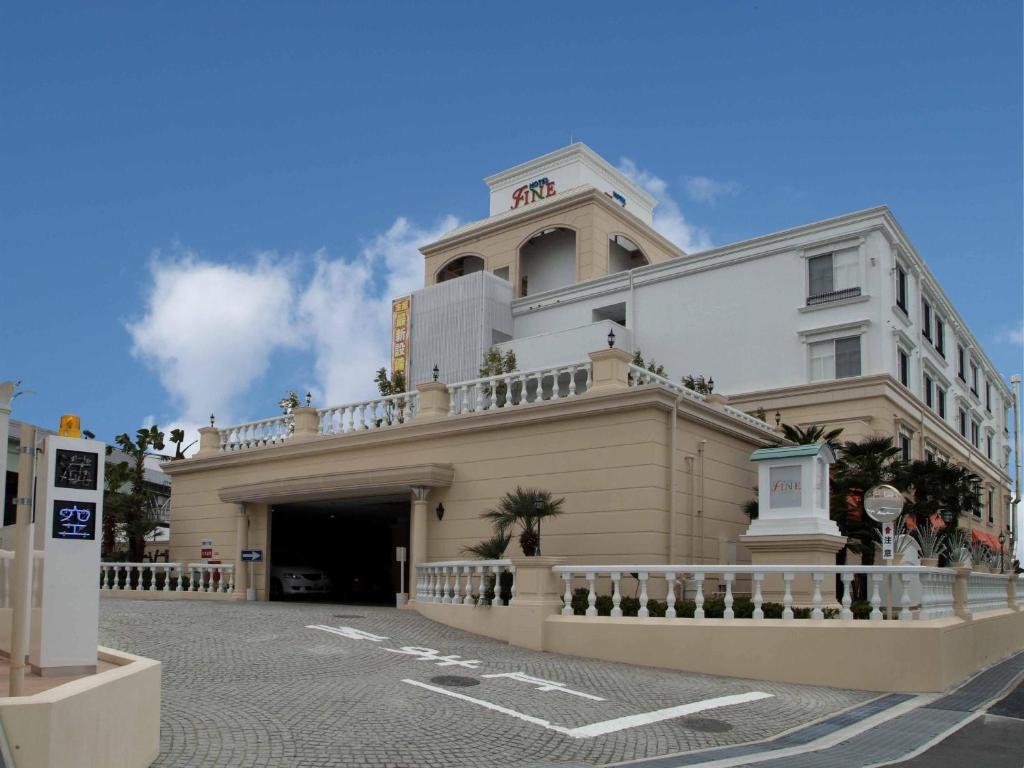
(833, 296)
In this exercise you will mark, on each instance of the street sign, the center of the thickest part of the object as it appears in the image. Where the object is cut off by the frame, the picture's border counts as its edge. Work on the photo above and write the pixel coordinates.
(252, 555)
(399, 554)
(206, 552)
(888, 540)
(206, 543)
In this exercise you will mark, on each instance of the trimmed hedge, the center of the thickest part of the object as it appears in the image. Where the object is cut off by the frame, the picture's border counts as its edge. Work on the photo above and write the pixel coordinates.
(714, 607)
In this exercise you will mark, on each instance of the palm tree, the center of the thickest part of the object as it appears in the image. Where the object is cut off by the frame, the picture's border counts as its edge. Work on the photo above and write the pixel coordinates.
(490, 549)
(811, 434)
(860, 466)
(524, 507)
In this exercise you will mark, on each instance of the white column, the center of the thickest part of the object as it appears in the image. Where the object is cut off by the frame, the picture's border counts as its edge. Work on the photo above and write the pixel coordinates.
(418, 527)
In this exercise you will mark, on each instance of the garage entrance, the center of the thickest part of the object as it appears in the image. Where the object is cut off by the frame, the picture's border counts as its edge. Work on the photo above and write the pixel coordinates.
(341, 550)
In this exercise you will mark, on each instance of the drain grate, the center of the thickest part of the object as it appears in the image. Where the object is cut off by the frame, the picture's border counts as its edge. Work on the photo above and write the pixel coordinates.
(706, 724)
(455, 681)
(348, 616)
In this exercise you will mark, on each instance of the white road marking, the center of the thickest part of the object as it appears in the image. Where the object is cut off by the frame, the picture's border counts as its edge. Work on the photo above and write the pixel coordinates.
(545, 685)
(429, 654)
(606, 726)
(350, 632)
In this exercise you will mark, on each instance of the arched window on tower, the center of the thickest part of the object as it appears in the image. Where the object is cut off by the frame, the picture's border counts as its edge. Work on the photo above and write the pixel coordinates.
(547, 261)
(624, 254)
(463, 265)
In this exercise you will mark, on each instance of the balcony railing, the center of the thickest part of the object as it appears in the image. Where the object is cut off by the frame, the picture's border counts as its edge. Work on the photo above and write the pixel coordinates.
(167, 577)
(828, 298)
(368, 414)
(465, 582)
(509, 390)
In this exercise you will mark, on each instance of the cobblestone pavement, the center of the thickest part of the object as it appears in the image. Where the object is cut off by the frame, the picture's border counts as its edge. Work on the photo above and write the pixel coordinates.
(251, 685)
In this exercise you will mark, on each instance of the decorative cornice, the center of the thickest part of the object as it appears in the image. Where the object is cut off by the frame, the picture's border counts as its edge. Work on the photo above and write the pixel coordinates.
(335, 485)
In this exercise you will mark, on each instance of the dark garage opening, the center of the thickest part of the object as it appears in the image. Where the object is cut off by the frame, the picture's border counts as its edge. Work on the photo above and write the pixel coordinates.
(350, 541)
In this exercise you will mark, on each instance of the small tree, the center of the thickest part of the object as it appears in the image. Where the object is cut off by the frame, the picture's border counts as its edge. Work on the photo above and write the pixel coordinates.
(812, 434)
(699, 383)
(133, 513)
(653, 366)
(388, 386)
(289, 402)
(497, 364)
(524, 508)
(178, 437)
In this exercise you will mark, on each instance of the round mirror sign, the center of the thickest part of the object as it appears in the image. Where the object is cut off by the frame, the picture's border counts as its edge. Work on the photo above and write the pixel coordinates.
(883, 503)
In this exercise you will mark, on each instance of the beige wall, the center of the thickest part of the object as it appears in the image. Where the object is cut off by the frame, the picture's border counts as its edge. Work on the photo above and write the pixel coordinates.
(873, 406)
(606, 455)
(593, 218)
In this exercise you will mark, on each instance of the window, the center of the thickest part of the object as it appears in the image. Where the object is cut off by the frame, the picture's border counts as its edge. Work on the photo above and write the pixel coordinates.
(901, 289)
(502, 273)
(962, 422)
(905, 446)
(929, 397)
(961, 369)
(974, 377)
(988, 447)
(981, 503)
(940, 401)
(613, 312)
(832, 277)
(904, 367)
(988, 505)
(835, 358)
(988, 396)
(940, 336)
(926, 319)
(975, 434)
(929, 454)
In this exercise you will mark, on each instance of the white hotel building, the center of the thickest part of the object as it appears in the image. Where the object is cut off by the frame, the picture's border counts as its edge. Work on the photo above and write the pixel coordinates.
(838, 322)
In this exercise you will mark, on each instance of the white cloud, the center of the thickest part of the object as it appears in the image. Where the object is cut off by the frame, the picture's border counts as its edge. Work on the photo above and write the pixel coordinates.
(1011, 336)
(209, 329)
(705, 190)
(346, 309)
(668, 217)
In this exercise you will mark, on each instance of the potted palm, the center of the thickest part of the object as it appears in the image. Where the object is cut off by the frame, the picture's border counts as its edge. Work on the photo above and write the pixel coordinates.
(492, 549)
(524, 508)
(929, 542)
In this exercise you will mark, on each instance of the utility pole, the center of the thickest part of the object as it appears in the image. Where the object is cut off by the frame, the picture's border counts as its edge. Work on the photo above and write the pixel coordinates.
(21, 618)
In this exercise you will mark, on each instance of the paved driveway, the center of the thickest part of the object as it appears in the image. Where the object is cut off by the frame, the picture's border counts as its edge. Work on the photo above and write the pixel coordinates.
(339, 685)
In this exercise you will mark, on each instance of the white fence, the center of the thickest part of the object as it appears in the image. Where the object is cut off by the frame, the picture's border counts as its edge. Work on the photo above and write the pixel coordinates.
(986, 592)
(465, 582)
(256, 434)
(508, 390)
(935, 586)
(167, 577)
(369, 414)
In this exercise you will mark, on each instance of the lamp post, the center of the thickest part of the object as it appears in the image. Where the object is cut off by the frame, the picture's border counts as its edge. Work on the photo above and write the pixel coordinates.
(611, 338)
(538, 508)
(1002, 541)
(883, 503)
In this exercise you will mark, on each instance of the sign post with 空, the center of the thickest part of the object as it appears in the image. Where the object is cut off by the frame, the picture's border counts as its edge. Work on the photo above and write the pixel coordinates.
(69, 529)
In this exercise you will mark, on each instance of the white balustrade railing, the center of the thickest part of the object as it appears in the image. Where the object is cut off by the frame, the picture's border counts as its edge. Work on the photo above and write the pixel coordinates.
(256, 434)
(465, 582)
(747, 419)
(986, 592)
(508, 390)
(7, 577)
(369, 414)
(922, 592)
(167, 577)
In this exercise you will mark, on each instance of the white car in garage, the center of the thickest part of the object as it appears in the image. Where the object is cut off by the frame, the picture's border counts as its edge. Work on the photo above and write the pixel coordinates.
(289, 580)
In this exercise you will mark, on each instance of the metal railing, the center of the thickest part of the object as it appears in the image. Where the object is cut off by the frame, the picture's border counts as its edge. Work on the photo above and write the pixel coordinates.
(826, 298)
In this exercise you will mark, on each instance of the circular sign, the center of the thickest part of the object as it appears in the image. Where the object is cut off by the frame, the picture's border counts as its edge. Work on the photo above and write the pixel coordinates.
(883, 503)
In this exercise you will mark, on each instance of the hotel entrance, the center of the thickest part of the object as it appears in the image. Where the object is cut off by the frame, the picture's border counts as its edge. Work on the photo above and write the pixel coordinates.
(338, 550)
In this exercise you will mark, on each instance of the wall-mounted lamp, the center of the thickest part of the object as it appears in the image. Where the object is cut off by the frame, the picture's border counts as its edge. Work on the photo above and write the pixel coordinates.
(711, 384)
(778, 419)
(611, 338)
(440, 511)
(437, 371)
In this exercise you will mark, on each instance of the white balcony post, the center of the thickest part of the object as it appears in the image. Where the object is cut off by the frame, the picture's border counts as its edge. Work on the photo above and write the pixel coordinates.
(567, 597)
(616, 595)
(876, 597)
(591, 594)
(644, 611)
(698, 599)
(847, 579)
(670, 595)
(787, 598)
(817, 612)
(728, 613)
(758, 596)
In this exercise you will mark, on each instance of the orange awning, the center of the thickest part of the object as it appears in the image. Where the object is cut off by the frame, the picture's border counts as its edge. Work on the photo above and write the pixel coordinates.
(987, 538)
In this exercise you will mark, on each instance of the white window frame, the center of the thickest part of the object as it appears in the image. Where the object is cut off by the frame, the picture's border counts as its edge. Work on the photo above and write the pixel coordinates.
(831, 333)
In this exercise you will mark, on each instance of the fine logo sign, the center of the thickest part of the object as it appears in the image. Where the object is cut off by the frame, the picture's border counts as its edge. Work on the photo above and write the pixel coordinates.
(74, 520)
(535, 190)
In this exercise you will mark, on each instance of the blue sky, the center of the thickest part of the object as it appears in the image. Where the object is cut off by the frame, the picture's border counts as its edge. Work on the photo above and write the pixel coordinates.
(204, 205)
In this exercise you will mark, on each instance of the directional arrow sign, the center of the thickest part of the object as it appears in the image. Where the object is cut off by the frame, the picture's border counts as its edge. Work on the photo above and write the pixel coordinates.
(252, 555)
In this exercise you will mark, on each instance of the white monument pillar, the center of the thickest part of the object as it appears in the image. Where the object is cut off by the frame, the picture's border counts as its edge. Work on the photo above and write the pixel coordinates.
(69, 524)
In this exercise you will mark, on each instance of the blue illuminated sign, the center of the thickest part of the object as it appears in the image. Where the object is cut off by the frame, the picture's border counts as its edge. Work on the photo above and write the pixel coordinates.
(74, 520)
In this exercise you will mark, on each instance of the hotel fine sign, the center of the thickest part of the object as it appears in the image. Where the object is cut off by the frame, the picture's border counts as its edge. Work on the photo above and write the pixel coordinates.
(400, 334)
(532, 192)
